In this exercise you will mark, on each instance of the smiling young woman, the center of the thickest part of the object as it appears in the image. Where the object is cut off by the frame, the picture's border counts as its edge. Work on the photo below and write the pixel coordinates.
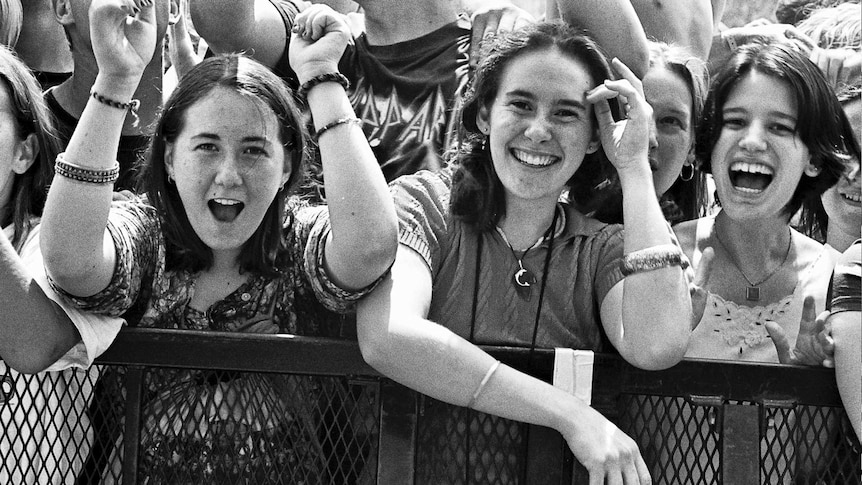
(774, 138)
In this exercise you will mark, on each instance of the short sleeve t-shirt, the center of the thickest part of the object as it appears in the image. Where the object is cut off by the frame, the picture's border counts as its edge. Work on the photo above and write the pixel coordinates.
(584, 266)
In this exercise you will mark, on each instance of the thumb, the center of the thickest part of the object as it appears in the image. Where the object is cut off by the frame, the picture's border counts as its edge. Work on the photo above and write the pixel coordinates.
(779, 339)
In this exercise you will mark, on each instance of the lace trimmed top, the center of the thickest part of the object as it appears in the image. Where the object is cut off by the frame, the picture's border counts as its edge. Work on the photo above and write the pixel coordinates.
(732, 331)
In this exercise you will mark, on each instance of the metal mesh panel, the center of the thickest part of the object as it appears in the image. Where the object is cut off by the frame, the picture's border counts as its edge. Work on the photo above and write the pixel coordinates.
(681, 441)
(46, 432)
(214, 427)
(459, 446)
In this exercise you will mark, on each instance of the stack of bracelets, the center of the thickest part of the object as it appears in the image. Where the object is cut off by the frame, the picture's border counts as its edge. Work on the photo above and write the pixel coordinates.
(83, 174)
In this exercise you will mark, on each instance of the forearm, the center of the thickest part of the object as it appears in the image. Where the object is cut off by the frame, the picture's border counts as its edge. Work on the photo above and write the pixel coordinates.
(847, 333)
(34, 331)
(183, 55)
(614, 25)
(78, 253)
(656, 307)
(364, 235)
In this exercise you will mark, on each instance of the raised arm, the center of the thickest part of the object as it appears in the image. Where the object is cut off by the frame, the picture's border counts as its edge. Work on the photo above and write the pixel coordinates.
(34, 331)
(253, 27)
(647, 316)
(79, 253)
(396, 339)
(364, 235)
(687, 23)
(614, 24)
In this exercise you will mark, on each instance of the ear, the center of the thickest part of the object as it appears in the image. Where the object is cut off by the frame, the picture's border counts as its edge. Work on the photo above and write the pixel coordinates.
(288, 167)
(63, 11)
(690, 157)
(812, 170)
(595, 143)
(25, 154)
(483, 120)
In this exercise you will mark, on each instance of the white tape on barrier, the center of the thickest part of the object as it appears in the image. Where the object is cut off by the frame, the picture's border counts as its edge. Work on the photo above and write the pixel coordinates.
(573, 372)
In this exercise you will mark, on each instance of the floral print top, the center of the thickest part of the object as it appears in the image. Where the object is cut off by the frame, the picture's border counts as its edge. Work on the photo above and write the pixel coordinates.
(213, 417)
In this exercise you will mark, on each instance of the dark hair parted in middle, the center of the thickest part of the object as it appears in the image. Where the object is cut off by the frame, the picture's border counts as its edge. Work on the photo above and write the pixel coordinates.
(477, 193)
(821, 123)
(185, 249)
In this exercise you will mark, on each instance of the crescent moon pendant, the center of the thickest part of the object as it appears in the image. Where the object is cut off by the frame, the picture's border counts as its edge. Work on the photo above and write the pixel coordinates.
(521, 272)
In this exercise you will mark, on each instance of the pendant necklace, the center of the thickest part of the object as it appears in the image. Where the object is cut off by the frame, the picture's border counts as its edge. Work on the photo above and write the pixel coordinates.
(523, 279)
(752, 292)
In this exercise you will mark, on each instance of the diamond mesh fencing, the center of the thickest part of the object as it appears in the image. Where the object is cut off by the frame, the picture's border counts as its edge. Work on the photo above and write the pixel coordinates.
(230, 427)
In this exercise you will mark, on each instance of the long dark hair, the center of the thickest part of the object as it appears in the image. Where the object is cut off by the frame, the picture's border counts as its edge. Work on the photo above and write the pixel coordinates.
(477, 193)
(32, 116)
(822, 127)
(250, 78)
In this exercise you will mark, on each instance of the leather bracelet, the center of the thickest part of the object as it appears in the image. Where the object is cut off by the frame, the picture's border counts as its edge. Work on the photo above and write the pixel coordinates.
(87, 175)
(132, 106)
(329, 77)
(650, 259)
(333, 124)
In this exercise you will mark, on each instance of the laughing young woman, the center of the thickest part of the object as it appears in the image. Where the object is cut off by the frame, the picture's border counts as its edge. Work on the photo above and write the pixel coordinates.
(774, 137)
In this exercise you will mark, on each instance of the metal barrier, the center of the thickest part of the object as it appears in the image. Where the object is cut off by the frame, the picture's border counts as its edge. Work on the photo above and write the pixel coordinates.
(169, 407)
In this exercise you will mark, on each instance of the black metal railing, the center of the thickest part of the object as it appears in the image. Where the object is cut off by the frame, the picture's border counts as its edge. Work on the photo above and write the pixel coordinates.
(168, 406)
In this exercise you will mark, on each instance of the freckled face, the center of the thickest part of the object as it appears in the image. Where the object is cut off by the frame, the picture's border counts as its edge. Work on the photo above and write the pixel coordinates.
(539, 129)
(672, 137)
(758, 159)
(228, 163)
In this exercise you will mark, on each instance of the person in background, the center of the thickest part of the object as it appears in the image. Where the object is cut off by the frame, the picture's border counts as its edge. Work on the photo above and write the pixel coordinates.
(217, 245)
(68, 99)
(40, 333)
(43, 45)
(11, 19)
(491, 229)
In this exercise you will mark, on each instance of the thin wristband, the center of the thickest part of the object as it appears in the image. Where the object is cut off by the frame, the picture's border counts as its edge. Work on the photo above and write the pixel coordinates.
(332, 124)
(482, 384)
(730, 41)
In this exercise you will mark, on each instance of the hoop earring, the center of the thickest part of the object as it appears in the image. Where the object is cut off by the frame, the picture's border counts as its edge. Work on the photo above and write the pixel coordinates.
(686, 175)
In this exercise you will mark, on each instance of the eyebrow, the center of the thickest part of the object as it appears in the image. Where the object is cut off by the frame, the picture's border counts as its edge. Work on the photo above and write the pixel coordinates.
(779, 114)
(574, 103)
(213, 136)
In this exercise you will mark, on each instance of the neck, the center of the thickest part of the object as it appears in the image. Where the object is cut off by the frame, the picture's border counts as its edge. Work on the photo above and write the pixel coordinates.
(839, 238)
(760, 245)
(225, 261)
(524, 224)
(390, 22)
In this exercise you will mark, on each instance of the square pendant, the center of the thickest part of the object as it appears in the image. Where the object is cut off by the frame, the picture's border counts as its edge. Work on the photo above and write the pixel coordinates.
(752, 293)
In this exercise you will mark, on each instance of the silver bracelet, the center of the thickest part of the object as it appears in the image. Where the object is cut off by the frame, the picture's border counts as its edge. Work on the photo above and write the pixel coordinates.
(87, 175)
(482, 384)
(653, 258)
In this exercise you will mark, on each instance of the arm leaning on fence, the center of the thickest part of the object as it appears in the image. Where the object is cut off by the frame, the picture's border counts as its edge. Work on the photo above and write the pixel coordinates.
(397, 340)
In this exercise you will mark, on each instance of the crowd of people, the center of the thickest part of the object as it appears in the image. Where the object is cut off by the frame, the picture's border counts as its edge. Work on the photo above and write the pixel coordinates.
(427, 177)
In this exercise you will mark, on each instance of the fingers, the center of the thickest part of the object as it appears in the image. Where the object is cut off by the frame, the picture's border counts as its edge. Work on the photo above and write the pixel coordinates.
(643, 475)
(809, 315)
(316, 21)
(779, 339)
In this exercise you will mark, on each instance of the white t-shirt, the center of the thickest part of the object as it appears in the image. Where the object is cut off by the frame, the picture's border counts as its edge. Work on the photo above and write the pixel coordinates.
(46, 429)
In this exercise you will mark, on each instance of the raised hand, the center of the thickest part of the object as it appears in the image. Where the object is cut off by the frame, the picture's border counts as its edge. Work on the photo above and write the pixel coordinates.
(123, 34)
(317, 42)
(814, 345)
(625, 142)
(696, 286)
(608, 454)
(492, 18)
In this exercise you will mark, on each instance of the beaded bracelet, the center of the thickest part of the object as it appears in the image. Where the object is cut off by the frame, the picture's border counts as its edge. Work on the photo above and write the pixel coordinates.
(88, 175)
(484, 382)
(132, 106)
(329, 77)
(650, 259)
(333, 124)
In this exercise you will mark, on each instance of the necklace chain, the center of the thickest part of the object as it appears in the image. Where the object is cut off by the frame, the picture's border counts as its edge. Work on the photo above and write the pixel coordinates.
(753, 291)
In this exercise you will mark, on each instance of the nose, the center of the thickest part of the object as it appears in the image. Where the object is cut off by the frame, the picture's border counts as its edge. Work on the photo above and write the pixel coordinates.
(538, 129)
(653, 135)
(753, 137)
(228, 171)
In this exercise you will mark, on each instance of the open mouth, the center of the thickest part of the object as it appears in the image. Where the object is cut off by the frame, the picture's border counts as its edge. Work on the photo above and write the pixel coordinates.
(225, 210)
(750, 177)
(531, 159)
(855, 198)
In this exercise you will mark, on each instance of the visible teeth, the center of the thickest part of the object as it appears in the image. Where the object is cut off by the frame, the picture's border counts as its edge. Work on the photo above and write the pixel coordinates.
(226, 201)
(534, 159)
(853, 197)
(751, 168)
